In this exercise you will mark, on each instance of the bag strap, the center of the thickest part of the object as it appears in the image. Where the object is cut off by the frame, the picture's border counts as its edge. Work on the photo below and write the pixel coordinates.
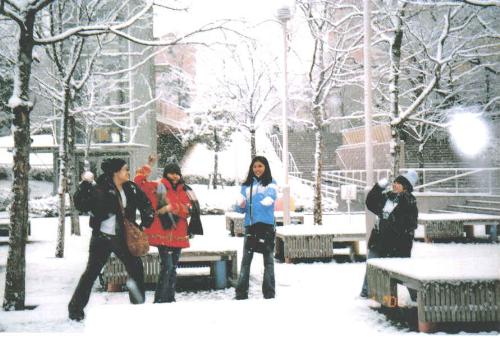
(251, 203)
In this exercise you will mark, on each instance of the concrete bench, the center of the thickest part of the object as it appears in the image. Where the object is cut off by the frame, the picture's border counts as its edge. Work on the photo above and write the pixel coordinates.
(222, 265)
(450, 226)
(312, 242)
(457, 292)
(236, 227)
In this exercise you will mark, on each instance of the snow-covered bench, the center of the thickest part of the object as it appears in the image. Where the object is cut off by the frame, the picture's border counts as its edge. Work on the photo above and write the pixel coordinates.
(235, 221)
(318, 241)
(449, 226)
(222, 266)
(458, 290)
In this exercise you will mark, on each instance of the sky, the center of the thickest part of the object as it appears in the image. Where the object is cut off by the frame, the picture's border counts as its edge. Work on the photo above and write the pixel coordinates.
(205, 11)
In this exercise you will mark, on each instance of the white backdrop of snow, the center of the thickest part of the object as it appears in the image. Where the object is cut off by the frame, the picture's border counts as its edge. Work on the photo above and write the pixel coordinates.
(313, 299)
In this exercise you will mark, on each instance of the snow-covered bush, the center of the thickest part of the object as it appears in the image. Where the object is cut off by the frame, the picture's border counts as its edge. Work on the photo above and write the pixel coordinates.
(46, 206)
(202, 180)
(5, 199)
(5, 172)
(42, 174)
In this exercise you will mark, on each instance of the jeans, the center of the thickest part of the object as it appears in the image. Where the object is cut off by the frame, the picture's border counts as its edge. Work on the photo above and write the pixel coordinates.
(268, 283)
(165, 288)
(100, 249)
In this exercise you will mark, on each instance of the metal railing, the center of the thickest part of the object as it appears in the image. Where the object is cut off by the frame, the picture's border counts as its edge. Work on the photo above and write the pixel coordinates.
(452, 180)
(279, 151)
(327, 191)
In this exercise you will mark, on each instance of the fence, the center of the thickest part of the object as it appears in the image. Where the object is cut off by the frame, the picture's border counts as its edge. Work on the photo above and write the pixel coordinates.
(451, 180)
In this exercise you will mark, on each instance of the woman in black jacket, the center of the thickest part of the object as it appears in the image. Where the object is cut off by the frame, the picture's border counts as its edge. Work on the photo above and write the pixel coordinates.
(108, 200)
(397, 214)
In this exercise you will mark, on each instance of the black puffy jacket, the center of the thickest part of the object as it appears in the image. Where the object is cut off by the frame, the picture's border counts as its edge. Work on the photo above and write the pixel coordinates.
(101, 201)
(393, 237)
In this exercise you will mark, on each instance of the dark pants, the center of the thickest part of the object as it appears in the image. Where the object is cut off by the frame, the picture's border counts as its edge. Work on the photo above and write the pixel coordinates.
(268, 283)
(101, 246)
(165, 288)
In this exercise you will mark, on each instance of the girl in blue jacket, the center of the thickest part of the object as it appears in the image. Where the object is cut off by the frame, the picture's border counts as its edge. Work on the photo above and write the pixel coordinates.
(258, 195)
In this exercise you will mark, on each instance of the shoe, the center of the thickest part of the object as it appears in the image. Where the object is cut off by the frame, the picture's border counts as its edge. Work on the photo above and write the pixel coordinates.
(363, 295)
(268, 296)
(241, 297)
(76, 315)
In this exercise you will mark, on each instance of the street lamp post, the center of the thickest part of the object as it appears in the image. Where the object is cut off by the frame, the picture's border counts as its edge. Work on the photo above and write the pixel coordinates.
(284, 15)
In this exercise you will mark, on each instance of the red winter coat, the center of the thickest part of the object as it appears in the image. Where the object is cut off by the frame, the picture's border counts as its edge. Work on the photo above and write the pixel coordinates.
(176, 237)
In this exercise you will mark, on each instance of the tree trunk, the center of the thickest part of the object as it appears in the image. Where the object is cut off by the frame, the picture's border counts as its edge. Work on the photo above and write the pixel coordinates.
(421, 163)
(15, 288)
(318, 170)
(253, 148)
(216, 169)
(63, 171)
(75, 218)
(395, 151)
(216, 159)
(395, 59)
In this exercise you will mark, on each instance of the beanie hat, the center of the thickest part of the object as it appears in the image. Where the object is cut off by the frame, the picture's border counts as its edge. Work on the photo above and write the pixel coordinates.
(408, 180)
(172, 167)
(112, 165)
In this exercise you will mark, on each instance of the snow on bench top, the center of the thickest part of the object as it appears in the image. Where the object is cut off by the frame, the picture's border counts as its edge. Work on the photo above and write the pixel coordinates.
(459, 216)
(456, 268)
(327, 229)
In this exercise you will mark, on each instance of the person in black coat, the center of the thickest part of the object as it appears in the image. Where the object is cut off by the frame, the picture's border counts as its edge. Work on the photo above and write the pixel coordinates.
(397, 214)
(107, 201)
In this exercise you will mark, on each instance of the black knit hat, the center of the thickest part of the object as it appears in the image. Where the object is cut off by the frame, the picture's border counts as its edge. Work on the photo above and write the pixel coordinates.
(112, 165)
(172, 167)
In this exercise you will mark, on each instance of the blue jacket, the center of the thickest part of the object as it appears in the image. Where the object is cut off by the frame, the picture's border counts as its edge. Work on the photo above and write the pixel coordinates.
(263, 199)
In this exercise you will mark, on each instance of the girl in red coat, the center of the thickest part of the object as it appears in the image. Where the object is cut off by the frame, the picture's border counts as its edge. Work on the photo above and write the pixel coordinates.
(169, 235)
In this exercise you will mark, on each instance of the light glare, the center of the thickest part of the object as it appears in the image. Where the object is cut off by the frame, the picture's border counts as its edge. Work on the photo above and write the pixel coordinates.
(469, 133)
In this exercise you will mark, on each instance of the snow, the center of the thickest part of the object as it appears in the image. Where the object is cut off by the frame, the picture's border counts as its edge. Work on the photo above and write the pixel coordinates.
(483, 265)
(313, 299)
(459, 216)
(234, 161)
(36, 159)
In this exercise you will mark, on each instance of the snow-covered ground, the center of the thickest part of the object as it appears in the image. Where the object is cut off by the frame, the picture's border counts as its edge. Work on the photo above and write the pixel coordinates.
(313, 299)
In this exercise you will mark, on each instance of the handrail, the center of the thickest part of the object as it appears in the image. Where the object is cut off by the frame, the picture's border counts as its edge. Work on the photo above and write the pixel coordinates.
(340, 177)
(279, 151)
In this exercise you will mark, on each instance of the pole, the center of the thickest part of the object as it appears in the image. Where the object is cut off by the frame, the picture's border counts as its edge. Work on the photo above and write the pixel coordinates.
(369, 217)
(286, 187)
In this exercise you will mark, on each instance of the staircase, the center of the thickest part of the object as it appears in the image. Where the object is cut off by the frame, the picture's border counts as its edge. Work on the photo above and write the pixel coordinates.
(301, 144)
(479, 205)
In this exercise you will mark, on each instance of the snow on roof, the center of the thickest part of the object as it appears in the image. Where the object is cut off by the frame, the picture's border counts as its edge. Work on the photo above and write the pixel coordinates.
(46, 140)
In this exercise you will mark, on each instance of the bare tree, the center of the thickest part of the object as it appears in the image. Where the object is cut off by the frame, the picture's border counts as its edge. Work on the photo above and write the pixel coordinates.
(335, 27)
(25, 14)
(248, 88)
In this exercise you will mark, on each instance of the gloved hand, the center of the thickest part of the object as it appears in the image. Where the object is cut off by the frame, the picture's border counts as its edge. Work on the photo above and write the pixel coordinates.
(383, 183)
(88, 176)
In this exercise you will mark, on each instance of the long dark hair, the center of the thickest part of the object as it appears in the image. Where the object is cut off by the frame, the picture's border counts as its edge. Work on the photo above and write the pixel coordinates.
(266, 177)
